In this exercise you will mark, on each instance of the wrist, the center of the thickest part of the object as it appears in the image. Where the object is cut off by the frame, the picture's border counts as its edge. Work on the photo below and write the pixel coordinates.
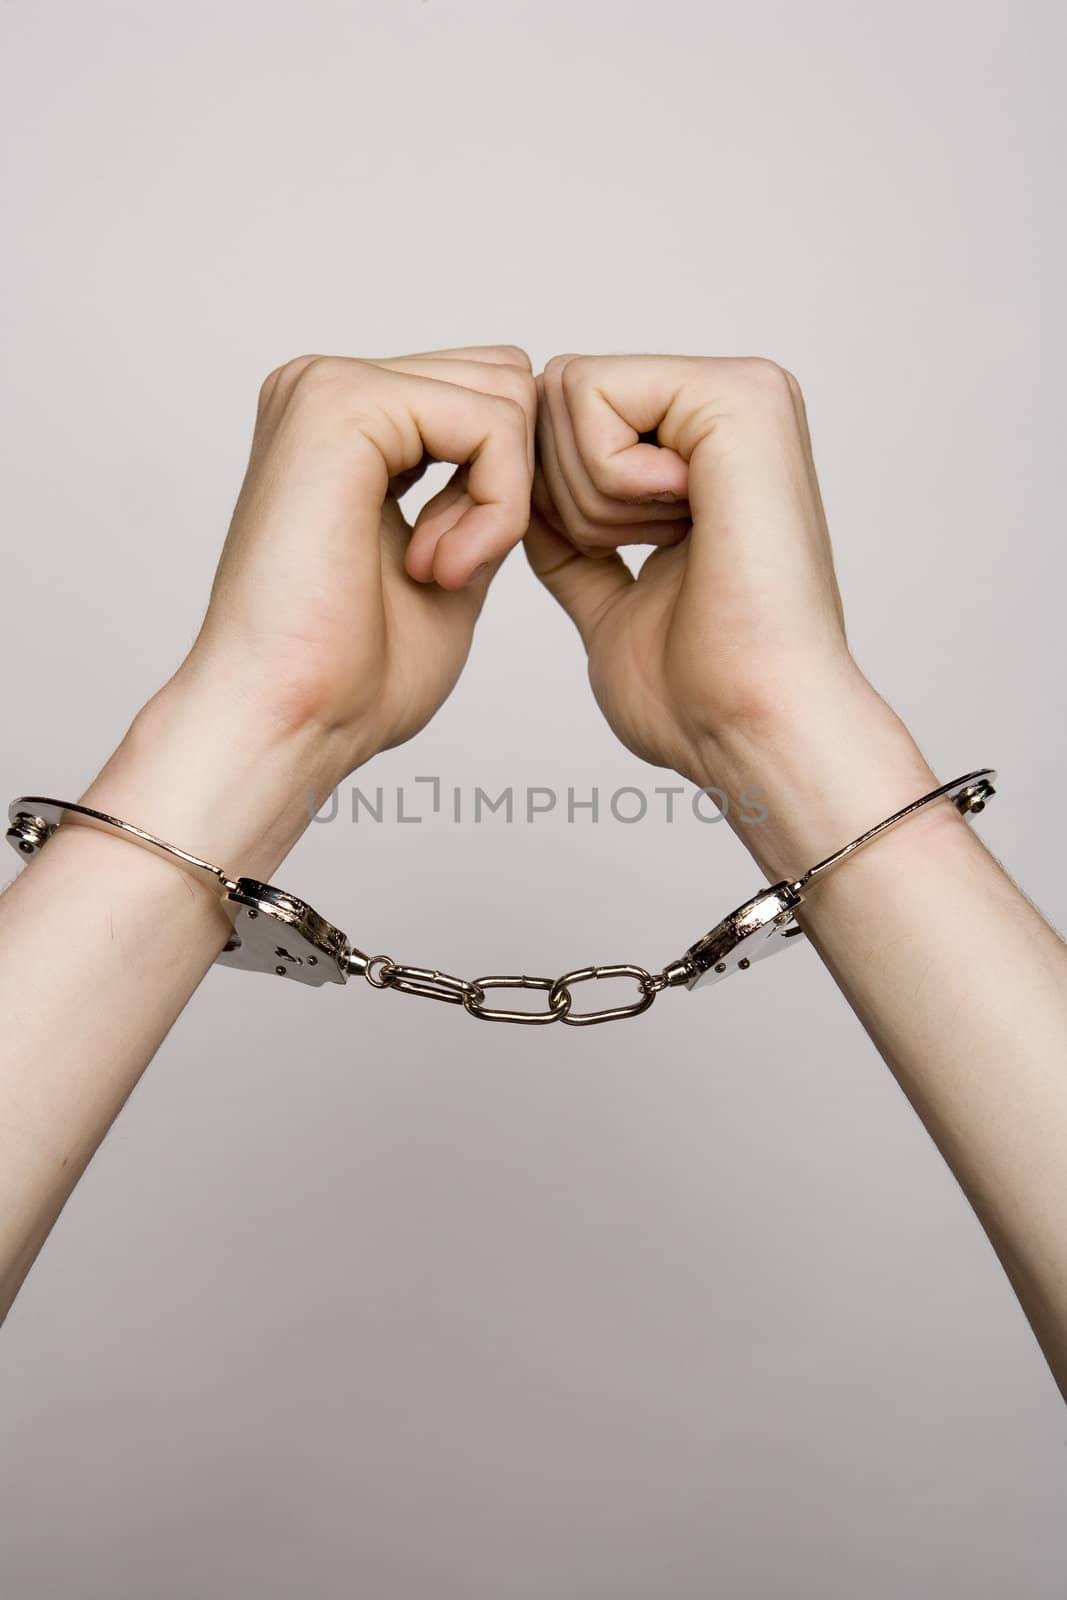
(206, 771)
(825, 768)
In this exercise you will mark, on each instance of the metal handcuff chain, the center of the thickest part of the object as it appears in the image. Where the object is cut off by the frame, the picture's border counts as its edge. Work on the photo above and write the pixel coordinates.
(278, 933)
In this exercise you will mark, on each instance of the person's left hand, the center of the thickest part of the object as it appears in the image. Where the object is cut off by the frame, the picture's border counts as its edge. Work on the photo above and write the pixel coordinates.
(334, 629)
(314, 586)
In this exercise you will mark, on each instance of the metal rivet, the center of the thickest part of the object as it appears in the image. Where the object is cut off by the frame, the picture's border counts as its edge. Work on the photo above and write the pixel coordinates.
(313, 961)
(280, 971)
(721, 967)
(252, 915)
(26, 847)
(744, 964)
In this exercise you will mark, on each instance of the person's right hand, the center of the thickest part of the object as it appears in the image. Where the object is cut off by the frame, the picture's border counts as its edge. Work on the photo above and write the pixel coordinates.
(726, 658)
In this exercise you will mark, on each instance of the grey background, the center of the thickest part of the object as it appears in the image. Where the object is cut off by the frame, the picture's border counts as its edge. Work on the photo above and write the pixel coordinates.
(361, 1298)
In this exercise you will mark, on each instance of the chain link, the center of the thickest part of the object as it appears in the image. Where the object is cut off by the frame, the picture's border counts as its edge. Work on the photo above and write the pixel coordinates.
(646, 993)
(424, 981)
(382, 972)
(559, 1003)
(315, 952)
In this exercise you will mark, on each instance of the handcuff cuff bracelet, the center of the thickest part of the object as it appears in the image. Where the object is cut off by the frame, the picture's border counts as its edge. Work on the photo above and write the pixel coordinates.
(278, 933)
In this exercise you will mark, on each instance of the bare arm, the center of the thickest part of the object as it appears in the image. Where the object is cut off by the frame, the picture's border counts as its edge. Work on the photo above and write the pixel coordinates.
(727, 660)
(959, 981)
(319, 648)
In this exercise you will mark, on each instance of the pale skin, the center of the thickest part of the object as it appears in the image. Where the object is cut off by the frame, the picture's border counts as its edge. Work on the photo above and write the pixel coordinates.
(334, 631)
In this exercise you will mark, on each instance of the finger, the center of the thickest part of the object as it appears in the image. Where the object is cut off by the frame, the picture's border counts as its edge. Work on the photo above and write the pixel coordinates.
(405, 481)
(667, 533)
(436, 518)
(497, 369)
(500, 378)
(397, 537)
(758, 523)
(550, 481)
(591, 517)
(476, 588)
(541, 498)
(552, 498)
(489, 435)
(505, 355)
(502, 369)
(278, 386)
(586, 587)
(611, 402)
(567, 389)
(337, 404)
(305, 421)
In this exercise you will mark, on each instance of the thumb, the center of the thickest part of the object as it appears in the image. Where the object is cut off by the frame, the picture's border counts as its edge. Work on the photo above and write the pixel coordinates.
(585, 586)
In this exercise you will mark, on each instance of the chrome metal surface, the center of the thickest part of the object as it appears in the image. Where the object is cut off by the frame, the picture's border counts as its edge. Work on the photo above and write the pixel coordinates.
(357, 963)
(580, 1019)
(761, 927)
(427, 982)
(277, 933)
(379, 979)
(969, 795)
(35, 819)
(28, 833)
(484, 1013)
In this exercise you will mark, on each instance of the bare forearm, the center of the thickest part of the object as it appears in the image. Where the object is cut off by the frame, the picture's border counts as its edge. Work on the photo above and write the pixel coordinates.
(102, 944)
(960, 983)
(317, 650)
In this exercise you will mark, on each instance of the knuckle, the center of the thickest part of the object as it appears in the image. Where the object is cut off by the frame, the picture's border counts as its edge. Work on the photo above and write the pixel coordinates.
(514, 355)
(283, 377)
(577, 373)
(518, 385)
(293, 380)
(583, 529)
(556, 367)
(607, 477)
(543, 501)
(513, 414)
(315, 373)
(290, 370)
(330, 384)
(268, 386)
(572, 523)
(588, 502)
(768, 377)
(593, 538)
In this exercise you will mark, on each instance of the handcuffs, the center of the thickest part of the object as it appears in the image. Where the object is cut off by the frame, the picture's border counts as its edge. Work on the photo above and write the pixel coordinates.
(277, 933)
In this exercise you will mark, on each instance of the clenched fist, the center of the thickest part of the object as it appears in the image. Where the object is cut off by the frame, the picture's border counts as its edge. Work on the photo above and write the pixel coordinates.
(334, 629)
(726, 658)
